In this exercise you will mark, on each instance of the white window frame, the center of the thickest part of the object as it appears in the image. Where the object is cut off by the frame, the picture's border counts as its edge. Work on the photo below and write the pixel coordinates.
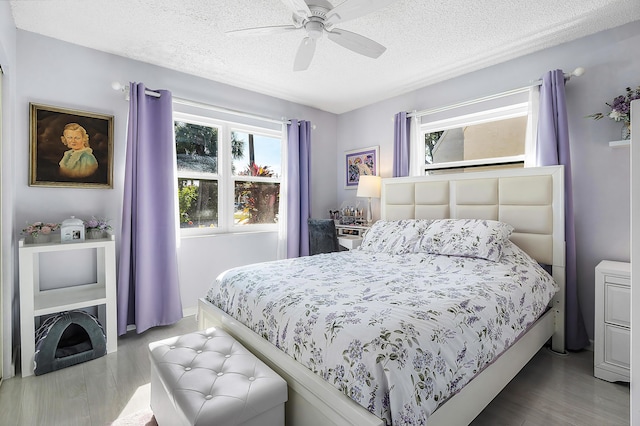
(226, 181)
(520, 109)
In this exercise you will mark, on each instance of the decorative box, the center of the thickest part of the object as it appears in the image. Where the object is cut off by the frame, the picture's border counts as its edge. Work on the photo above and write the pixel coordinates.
(72, 230)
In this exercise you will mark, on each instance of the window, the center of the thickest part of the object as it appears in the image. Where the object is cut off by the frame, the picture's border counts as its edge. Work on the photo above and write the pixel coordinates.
(495, 137)
(197, 166)
(228, 175)
(256, 171)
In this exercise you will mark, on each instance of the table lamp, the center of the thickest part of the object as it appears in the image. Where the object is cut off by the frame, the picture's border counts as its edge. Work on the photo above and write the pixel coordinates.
(369, 186)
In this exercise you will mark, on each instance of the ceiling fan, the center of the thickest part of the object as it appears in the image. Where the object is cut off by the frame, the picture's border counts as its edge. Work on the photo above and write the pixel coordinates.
(316, 17)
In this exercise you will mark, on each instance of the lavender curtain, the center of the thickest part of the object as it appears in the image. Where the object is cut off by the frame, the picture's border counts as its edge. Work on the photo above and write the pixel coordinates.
(148, 290)
(401, 145)
(553, 149)
(298, 201)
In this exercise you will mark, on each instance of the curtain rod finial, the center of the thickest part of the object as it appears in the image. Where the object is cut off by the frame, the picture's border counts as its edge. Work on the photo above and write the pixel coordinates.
(578, 71)
(116, 85)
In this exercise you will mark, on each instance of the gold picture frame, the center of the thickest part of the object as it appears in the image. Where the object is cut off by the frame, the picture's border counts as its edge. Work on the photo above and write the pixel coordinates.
(70, 148)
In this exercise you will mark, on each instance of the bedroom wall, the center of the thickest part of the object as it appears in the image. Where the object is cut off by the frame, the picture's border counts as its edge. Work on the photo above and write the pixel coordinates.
(601, 174)
(53, 72)
(39, 69)
(8, 63)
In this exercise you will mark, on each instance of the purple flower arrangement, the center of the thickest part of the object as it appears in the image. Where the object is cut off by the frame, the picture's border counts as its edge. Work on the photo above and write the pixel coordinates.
(620, 107)
(99, 224)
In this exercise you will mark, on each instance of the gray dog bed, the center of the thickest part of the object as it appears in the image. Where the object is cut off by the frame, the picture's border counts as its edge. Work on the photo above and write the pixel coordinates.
(66, 339)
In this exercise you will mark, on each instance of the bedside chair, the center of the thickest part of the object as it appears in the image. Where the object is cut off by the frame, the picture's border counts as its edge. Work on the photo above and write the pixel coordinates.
(322, 236)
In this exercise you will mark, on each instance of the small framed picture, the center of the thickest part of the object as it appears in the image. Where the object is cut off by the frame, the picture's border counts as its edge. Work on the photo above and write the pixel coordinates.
(70, 148)
(360, 162)
(72, 230)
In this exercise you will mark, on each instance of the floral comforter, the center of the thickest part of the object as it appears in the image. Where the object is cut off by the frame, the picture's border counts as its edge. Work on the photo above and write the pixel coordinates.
(399, 334)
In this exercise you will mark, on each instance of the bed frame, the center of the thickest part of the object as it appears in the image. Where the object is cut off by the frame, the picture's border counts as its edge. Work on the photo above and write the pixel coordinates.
(530, 199)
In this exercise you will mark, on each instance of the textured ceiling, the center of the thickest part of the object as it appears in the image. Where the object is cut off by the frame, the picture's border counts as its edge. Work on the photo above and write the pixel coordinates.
(427, 40)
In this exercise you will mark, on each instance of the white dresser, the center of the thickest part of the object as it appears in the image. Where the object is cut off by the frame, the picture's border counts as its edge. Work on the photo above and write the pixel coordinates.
(612, 342)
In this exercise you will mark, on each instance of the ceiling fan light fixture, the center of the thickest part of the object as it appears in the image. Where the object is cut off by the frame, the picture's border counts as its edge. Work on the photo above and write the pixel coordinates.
(314, 29)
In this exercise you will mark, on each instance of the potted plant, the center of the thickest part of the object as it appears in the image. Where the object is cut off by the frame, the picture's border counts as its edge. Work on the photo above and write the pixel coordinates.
(39, 232)
(96, 227)
(621, 110)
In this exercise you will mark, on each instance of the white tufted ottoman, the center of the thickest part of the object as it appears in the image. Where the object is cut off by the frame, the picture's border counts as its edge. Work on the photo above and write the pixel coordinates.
(208, 378)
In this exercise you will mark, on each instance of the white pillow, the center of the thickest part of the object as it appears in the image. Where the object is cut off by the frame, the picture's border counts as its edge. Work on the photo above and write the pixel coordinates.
(394, 237)
(483, 239)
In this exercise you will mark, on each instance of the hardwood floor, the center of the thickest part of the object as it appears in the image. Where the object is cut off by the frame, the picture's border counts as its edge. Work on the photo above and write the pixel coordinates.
(92, 393)
(550, 390)
(558, 390)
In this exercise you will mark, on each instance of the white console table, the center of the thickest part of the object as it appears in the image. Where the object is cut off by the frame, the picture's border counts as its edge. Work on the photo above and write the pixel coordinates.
(35, 302)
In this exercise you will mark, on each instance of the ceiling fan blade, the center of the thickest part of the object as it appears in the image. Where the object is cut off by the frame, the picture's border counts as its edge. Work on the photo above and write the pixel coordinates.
(275, 29)
(298, 7)
(359, 44)
(351, 9)
(305, 53)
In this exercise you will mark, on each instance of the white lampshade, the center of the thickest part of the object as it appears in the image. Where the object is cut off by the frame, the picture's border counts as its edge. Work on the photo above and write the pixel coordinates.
(369, 186)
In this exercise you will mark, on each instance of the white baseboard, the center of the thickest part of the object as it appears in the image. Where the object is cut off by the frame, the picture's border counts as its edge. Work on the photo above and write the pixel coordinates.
(187, 312)
(12, 368)
(590, 347)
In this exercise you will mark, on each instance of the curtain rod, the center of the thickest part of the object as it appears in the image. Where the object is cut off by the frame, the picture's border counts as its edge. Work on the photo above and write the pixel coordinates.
(577, 72)
(187, 102)
(210, 107)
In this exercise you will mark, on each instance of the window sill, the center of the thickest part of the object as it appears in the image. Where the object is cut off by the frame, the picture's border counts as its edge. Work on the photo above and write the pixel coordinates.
(619, 144)
(228, 234)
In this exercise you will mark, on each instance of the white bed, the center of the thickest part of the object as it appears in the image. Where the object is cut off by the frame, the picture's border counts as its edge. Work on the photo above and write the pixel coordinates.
(531, 200)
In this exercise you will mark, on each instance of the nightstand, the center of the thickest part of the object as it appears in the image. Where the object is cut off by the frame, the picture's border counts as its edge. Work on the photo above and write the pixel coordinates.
(612, 342)
(350, 236)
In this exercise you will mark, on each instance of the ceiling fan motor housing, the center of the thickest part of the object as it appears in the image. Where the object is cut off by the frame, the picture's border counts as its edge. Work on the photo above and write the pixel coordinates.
(322, 4)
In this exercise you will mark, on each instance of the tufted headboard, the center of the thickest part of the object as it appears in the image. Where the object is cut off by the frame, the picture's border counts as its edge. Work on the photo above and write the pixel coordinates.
(529, 199)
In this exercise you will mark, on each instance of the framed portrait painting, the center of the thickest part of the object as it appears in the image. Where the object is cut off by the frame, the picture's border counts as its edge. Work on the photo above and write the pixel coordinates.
(70, 148)
(360, 162)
